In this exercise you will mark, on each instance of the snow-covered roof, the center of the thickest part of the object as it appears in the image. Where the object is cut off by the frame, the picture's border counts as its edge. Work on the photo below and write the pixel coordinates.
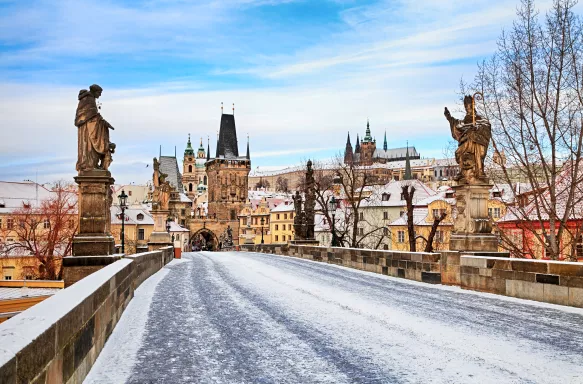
(175, 227)
(392, 153)
(393, 189)
(131, 215)
(283, 207)
(14, 194)
(23, 292)
(542, 200)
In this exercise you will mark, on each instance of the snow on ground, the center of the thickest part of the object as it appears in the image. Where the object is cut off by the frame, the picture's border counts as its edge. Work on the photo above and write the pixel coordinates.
(249, 318)
(117, 359)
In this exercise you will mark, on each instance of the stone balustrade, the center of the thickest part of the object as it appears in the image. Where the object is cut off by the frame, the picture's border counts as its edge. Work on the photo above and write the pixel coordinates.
(59, 339)
(554, 282)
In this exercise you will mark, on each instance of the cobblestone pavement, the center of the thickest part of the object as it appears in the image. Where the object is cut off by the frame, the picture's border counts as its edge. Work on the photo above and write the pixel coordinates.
(253, 318)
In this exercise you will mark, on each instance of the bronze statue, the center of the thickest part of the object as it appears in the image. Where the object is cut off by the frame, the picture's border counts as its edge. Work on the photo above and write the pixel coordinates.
(473, 135)
(94, 147)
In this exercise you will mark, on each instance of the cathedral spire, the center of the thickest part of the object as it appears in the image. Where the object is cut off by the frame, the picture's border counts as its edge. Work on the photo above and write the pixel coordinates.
(408, 173)
(208, 150)
(357, 146)
(348, 154)
(248, 153)
(367, 136)
(385, 142)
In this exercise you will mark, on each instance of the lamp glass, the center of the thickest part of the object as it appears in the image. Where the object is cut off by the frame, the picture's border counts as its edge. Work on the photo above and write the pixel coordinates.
(123, 199)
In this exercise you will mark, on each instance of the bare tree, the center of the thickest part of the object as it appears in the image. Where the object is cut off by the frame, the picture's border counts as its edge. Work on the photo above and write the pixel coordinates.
(533, 96)
(436, 221)
(45, 231)
(282, 184)
(408, 194)
(262, 184)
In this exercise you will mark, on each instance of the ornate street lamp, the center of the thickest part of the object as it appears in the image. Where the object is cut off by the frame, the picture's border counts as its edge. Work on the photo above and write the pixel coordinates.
(332, 206)
(123, 204)
(168, 220)
(262, 222)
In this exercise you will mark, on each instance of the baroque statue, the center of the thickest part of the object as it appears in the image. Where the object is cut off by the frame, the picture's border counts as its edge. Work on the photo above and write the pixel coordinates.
(304, 218)
(94, 147)
(473, 134)
(162, 189)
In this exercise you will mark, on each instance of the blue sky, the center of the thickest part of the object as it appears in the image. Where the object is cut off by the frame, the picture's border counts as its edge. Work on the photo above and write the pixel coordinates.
(301, 74)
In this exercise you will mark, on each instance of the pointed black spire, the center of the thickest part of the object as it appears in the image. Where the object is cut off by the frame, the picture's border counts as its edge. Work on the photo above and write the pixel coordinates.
(348, 154)
(208, 151)
(408, 173)
(385, 142)
(248, 153)
(357, 147)
(227, 143)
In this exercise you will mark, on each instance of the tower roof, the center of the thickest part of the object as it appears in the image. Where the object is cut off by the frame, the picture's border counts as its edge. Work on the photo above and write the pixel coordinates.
(227, 144)
(248, 153)
(367, 136)
(385, 142)
(357, 146)
(408, 173)
(189, 151)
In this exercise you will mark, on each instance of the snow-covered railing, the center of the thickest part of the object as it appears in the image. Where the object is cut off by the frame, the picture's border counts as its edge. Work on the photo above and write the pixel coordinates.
(59, 339)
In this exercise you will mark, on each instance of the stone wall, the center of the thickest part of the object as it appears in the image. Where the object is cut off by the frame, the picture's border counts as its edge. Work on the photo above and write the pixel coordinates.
(58, 340)
(418, 266)
(554, 282)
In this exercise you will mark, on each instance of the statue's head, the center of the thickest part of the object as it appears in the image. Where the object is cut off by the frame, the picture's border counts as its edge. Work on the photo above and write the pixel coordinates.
(468, 101)
(95, 90)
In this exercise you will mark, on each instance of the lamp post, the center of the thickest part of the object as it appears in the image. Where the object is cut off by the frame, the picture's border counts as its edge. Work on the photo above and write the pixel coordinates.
(168, 220)
(123, 204)
(332, 205)
(262, 222)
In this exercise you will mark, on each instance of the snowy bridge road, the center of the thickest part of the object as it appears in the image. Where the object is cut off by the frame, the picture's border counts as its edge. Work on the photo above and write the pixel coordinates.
(254, 318)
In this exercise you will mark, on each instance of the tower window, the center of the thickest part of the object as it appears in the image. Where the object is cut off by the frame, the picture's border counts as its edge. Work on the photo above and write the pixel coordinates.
(190, 187)
(190, 168)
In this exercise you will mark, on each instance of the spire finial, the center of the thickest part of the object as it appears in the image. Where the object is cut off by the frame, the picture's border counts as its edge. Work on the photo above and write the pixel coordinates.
(221, 107)
(233, 109)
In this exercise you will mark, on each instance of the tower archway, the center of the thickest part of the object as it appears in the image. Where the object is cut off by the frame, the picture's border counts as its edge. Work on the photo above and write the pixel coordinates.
(204, 240)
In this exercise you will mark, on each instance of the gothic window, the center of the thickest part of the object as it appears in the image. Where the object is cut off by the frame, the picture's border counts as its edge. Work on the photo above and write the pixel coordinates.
(190, 187)
(189, 168)
(204, 180)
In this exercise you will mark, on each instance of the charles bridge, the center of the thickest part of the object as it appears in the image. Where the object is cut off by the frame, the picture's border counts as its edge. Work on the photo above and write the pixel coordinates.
(60, 339)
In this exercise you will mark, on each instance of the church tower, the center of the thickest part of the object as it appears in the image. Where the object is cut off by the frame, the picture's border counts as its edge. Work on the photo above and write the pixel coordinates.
(368, 147)
(227, 174)
(188, 170)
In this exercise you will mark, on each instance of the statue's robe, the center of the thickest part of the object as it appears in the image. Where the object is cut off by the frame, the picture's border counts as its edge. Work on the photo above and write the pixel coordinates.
(473, 141)
(93, 132)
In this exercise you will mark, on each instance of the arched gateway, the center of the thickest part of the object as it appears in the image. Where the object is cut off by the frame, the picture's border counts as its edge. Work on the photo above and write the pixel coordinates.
(204, 240)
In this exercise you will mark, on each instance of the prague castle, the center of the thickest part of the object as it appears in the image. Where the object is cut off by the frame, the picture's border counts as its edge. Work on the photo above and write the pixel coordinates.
(367, 153)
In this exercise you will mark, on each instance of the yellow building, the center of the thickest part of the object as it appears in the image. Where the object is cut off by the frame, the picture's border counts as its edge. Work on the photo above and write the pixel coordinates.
(423, 217)
(251, 227)
(138, 225)
(282, 223)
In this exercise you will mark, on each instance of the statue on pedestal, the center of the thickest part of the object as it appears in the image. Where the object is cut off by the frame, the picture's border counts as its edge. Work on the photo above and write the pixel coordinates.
(304, 219)
(94, 148)
(473, 135)
(472, 225)
(162, 189)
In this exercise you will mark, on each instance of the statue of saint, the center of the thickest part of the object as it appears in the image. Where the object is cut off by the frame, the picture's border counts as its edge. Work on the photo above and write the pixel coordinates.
(473, 135)
(94, 147)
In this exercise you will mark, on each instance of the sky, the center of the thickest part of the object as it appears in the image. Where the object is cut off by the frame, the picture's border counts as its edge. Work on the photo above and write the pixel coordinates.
(302, 74)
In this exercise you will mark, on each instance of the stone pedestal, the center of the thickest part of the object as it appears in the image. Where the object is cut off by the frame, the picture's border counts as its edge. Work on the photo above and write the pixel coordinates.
(472, 226)
(159, 237)
(95, 198)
